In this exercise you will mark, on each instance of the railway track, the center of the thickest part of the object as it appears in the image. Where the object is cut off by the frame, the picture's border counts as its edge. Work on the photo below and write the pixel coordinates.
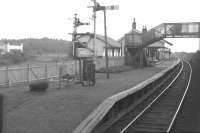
(159, 114)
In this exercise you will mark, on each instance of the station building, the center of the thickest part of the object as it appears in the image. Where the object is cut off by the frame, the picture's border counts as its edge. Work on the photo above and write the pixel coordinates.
(114, 47)
(157, 51)
(135, 54)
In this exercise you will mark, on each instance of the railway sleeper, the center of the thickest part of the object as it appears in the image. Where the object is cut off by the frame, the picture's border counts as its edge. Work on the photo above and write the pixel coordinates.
(125, 105)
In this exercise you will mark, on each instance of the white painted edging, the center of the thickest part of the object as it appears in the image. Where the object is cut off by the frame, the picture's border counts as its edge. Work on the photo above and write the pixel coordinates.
(87, 125)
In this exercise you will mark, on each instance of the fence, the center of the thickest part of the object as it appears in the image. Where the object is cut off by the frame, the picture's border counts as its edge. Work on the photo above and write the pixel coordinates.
(13, 75)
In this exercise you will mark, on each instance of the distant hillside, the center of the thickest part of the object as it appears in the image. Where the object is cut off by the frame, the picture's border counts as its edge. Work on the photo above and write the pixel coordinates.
(14, 58)
(43, 46)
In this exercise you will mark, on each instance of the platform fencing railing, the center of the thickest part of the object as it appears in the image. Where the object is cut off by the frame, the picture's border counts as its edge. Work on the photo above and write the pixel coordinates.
(30, 72)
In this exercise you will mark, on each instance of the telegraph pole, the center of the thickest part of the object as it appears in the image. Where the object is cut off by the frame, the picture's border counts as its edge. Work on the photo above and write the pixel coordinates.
(96, 8)
(94, 17)
(74, 34)
(106, 45)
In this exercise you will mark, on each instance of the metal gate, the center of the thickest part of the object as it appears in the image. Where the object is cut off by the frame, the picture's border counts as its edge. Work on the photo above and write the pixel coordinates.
(88, 73)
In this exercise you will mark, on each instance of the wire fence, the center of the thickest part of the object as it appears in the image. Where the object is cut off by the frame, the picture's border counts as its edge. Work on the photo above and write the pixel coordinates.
(30, 72)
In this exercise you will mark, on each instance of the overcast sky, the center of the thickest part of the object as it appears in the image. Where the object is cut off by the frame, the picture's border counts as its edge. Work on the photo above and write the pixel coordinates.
(53, 18)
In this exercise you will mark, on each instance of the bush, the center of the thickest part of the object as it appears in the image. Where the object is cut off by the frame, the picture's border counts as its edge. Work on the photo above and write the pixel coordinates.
(115, 69)
(14, 58)
(39, 86)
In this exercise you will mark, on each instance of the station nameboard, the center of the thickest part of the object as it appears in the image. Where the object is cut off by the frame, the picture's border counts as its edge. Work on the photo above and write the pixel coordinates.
(113, 7)
(83, 52)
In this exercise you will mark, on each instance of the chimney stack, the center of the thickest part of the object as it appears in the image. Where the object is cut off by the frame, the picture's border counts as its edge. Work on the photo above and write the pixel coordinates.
(134, 24)
(144, 29)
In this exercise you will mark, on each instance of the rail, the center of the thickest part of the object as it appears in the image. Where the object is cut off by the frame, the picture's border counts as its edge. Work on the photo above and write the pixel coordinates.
(115, 105)
(157, 98)
(175, 115)
(152, 102)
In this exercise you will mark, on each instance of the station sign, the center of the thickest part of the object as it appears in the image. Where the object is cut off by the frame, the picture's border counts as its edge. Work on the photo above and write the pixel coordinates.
(113, 7)
(83, 52)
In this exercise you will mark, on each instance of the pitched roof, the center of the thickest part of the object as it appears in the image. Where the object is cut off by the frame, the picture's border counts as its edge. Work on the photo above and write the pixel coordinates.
(159, 44)
(132, 31)
(168, 42)
(111, 42)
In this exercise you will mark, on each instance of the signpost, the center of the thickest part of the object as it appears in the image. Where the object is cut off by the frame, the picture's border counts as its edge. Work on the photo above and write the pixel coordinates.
(97, 7)
(76, 23)
(113, 7)
(83, 52)
(94, 18)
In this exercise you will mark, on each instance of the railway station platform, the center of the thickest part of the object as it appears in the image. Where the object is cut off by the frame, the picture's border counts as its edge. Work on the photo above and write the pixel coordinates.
(63, 110)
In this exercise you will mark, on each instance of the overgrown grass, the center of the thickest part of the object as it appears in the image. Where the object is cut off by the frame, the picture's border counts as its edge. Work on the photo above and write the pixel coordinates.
(14, 58)
(116, 69)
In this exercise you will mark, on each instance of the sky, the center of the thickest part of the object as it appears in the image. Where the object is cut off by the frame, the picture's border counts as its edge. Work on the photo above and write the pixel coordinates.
(54, 18)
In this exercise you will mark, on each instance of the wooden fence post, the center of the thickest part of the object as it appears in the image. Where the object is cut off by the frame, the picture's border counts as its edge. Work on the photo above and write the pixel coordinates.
(46, 72)
(60, 77)
(28, 71)
(2, 114)
(7, 77)
(56, 69)
(76, 67)
(80, 72)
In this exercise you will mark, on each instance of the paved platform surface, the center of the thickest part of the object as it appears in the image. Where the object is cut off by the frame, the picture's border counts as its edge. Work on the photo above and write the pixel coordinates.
(60, 111)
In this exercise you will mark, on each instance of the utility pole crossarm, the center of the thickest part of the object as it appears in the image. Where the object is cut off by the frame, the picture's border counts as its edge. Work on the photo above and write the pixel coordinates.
(113, 7)
(97, 7)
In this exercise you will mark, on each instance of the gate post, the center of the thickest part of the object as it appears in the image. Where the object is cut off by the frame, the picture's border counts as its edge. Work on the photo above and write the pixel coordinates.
(27, 78)
(141, 57)
(80, 70)
(7, 77)
(2, 115)
(46, 72)
(60, 77)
